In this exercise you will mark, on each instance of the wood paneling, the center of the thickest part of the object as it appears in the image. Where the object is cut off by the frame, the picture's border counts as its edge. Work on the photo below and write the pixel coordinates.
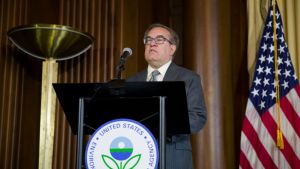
(19, 94)
(214, 46)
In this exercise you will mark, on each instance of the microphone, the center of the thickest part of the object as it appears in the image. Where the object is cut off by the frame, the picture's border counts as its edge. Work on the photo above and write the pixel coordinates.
(126, 53)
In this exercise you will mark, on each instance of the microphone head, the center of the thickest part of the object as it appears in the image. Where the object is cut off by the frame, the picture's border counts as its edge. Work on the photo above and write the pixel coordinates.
(127, 50)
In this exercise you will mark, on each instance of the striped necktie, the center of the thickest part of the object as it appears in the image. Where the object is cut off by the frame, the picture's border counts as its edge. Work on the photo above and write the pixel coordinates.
(154, 75)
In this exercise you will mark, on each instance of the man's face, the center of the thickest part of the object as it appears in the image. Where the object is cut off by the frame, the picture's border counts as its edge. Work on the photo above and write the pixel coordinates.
(159, 54)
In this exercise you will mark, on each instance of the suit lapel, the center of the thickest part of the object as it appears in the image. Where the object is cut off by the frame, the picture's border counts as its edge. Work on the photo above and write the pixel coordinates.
(143, 76)
(171, 73)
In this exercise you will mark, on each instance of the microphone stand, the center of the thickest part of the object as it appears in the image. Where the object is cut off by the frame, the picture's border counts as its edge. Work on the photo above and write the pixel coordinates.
(114, 84)
(120, 68)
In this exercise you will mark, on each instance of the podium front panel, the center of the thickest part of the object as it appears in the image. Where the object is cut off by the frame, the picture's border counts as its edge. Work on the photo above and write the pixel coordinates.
(133, 100)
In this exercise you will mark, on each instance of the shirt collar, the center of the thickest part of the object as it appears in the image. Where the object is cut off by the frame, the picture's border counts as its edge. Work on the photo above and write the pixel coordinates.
(162, 70)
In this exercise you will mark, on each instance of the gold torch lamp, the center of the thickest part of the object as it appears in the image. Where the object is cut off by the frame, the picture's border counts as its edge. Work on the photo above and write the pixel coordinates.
(50, 43)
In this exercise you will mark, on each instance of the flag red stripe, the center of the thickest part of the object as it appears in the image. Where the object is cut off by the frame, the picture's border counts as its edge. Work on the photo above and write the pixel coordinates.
(297, 88)
(290, 114)
(260, 150)
(288, 152)
(244, 163)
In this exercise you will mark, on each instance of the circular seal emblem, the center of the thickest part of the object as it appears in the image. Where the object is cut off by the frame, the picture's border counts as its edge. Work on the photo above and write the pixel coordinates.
(122, 144)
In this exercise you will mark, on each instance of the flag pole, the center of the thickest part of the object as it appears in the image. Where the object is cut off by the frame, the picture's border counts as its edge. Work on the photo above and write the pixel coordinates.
(279, 143)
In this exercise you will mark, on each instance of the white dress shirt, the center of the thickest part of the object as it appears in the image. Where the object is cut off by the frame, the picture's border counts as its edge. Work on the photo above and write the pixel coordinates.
(162, 70)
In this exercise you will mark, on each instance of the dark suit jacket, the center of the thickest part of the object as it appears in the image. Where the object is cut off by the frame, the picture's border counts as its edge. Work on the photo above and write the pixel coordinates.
(178, 148)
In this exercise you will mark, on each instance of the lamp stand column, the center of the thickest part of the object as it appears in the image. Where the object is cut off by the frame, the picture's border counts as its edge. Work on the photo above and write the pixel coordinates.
(47, 118)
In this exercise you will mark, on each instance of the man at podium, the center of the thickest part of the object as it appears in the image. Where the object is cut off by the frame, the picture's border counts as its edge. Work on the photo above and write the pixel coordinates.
(161, 43)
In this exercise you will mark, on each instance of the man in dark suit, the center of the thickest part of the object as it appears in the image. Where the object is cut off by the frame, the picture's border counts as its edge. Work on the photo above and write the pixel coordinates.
(161, 43)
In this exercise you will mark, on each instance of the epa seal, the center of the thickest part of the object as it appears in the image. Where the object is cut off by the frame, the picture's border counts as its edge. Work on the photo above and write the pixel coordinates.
(122, 144)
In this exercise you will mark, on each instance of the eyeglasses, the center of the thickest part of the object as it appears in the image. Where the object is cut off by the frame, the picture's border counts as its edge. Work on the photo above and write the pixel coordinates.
(158, 40)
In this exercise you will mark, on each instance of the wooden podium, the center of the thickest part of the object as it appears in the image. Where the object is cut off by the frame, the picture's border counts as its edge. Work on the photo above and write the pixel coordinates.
(160, 106)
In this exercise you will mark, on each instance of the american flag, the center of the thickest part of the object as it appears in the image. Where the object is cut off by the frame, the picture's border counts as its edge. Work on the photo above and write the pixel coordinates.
(259, 132)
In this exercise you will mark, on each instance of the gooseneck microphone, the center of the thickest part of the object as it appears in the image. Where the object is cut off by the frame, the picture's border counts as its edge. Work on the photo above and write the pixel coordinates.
(125, 54)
